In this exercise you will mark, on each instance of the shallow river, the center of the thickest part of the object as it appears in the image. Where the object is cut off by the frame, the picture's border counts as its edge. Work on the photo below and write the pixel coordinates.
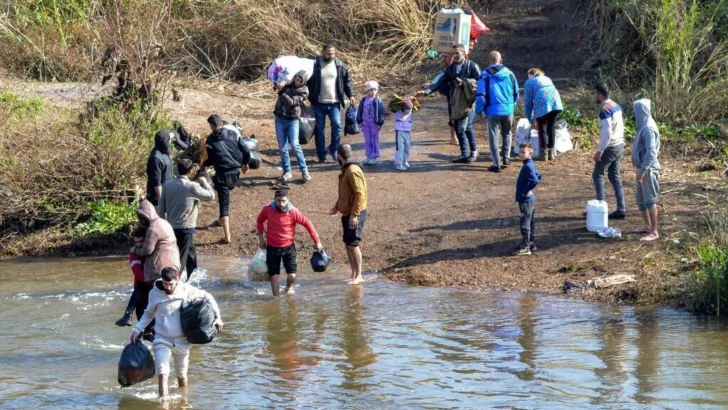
(380, 346)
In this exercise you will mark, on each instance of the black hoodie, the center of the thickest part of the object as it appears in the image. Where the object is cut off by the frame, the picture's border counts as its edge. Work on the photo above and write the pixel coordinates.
(159, 164)
(226, 151)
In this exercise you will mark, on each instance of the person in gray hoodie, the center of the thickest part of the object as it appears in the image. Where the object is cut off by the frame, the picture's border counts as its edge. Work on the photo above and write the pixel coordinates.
(645, 151)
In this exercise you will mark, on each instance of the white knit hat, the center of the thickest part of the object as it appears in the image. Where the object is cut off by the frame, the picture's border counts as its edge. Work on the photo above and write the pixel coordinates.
(371, 85)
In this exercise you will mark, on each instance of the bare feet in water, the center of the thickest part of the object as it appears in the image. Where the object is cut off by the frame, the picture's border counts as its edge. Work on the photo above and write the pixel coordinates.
(290, 291)
(356, 281)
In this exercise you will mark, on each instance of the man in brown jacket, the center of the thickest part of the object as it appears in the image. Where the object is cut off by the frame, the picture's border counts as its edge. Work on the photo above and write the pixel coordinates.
(352, 204)
(159, 249)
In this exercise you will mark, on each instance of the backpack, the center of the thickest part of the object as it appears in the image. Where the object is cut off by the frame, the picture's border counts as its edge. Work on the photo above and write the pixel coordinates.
(350, 125)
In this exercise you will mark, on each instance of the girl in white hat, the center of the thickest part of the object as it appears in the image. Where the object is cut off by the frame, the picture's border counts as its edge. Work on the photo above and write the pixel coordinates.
(371, 115)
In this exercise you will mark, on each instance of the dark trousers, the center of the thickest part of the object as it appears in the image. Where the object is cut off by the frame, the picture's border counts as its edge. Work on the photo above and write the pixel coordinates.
(141, 290)
(187, 251)
(224, 182)
(547, 129)
(528, 221)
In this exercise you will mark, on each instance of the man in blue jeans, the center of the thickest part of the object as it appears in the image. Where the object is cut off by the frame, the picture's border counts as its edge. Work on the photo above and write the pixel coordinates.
(497, 96)
(330, 89)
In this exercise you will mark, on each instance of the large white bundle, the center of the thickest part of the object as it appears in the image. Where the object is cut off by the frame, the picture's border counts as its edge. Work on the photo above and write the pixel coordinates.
(283, 68)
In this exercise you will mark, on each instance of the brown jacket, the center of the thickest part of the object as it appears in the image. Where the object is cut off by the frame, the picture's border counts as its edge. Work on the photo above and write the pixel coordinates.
(352, 190)
(160, 246)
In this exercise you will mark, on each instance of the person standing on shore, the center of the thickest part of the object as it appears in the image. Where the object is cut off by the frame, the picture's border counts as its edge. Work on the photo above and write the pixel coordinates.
(330, 89)
(159, 166)
(352, 205)
(179, 206)
(647, 168)
(370, 115)
(527, 181)
(543, 105)
(228, 154)
(287, 113)
(497, 98)
(276, 226)
(610, 149)
(461, 69)
(165, 303)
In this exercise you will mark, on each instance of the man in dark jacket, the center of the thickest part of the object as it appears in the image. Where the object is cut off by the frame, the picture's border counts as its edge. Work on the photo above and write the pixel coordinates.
(461, 69)
(330, 89)
(159, 166)
(227, 154)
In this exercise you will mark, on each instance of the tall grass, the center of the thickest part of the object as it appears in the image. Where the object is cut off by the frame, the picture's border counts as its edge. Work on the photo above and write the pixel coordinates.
(675, 51)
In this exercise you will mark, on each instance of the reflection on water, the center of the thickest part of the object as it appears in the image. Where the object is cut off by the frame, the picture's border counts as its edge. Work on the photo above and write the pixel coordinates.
(382, 345)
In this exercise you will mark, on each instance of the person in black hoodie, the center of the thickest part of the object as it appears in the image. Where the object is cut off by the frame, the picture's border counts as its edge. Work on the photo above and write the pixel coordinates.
(228, 154)
(159, 166)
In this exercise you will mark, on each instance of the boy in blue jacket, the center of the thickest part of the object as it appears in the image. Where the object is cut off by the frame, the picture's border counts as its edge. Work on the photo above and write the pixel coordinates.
(528, 178)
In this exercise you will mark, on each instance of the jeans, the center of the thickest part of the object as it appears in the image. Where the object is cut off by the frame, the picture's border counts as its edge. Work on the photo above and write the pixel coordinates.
(528, 221)
(466, 135)
(611, 158)
(547, 130)
(403, 139)
(287, 134)
(333, 111)
(499, 125)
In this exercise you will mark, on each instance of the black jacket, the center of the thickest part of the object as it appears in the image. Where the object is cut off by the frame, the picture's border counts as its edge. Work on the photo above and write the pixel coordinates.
(225, 151)
(470, 70)
(344, 89)
(159, 164)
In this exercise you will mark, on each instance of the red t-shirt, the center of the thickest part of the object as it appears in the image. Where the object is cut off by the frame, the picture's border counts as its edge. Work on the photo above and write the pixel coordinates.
(281, 230)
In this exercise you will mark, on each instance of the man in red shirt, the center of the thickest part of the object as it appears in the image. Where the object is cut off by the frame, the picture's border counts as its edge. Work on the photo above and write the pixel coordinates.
(279, 238)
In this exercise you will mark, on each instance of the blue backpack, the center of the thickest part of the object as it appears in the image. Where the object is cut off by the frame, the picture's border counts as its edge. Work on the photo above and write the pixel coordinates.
(350, 125)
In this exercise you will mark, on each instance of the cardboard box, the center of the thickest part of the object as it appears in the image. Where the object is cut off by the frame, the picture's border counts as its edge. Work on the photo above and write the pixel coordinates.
(452, 26)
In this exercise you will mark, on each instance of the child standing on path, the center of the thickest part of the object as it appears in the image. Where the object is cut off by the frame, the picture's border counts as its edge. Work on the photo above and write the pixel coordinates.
(528, 178)
(403, 134)
(370, 115)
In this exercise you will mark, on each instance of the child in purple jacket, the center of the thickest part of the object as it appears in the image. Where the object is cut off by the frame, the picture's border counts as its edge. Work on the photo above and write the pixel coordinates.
(370, 115)
(403, 134)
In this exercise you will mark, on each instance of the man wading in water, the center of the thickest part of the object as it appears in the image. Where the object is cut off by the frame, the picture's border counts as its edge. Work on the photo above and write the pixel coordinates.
(352, 204)
(165, 304)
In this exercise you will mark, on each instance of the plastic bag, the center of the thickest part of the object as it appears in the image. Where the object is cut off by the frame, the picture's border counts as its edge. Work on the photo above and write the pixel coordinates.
(563, 141)
(255, 160)
(320, 261)
(350, 125)
(284, 68)
(198, 321)
(257, 264)
(306, 125)
(477, 27)
(523, 133)
(135, 365)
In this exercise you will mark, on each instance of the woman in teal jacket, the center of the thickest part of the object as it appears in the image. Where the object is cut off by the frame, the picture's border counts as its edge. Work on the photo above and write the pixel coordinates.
(543, 105)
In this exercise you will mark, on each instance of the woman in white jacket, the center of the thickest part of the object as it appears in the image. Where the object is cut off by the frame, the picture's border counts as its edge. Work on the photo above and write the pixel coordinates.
(165, 304)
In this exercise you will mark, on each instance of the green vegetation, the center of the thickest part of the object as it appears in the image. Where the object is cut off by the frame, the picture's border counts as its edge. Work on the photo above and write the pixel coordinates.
(13, 107)
(107, 217)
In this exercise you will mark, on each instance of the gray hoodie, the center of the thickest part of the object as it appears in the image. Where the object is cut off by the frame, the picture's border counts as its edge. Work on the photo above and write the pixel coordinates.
(646, 145)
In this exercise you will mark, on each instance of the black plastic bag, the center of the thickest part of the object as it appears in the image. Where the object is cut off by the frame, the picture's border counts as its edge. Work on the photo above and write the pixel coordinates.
(251, 143)
(255, 160)
(320, 261)
(136, 364)
(198, 322)
(306, 126)
(350, 125)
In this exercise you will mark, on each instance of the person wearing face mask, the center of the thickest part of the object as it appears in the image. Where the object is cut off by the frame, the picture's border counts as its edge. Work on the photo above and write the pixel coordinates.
(330, 89)
(165, 304)
(276, 226)
(454, 74)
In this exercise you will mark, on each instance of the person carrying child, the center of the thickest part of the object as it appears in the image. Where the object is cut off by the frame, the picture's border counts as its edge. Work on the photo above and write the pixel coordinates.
(528, 178)
(140, 296)
(371, 115)
(403, 134)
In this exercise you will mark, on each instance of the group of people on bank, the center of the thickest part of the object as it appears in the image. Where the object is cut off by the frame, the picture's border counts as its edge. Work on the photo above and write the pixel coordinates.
(164, 242)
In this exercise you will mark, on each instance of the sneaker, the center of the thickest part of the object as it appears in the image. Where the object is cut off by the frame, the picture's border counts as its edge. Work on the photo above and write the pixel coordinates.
(494, 168)
(610, 233)
(324, 160)
(305, 176)
(406, 165)
(372, 161)
(462, 159)
(400, 168)
(522, 250)
(286, 176)
(124, 321)
(365, 162)
(506, 162)
(618, 215)
(533, 247)
(473, 156)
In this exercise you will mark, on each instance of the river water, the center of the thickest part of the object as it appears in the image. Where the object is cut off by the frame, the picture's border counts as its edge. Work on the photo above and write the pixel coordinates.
(380, 346)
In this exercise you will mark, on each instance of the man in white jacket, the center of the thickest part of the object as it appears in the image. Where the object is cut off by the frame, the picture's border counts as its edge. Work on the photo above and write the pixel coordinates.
(165, 303)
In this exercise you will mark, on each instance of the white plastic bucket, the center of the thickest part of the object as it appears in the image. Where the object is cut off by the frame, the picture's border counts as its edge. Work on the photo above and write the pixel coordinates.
(596, 215)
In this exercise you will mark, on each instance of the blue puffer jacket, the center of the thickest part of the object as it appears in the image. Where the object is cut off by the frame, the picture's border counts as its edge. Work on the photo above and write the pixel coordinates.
(542, 97)
(380, 112)
(497, 92)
